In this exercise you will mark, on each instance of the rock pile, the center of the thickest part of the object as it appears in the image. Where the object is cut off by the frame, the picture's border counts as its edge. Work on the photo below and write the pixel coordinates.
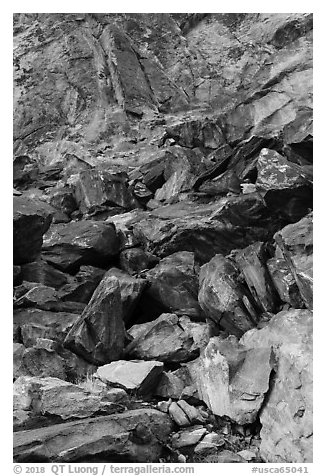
(163, 287)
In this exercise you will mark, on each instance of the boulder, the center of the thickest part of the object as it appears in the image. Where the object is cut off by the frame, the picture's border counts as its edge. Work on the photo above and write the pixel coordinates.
(232, 384)
(41, 272)
(286, 188)
(69, 245)
(251, 261)
(96, 190)
(133, 376)
(136, 260)
(189, 437)
(131, 289)
(284, 282)
(295, 245)
(114, 436)
(210, 443)
(34, 323)
(286, 417)
(81, 287)
(184, 414)
(37, 295)
(177, 384)
(43, 362)
(52, 396)
(223, 298)
(174, 284)
(18, 352)
(98, 335)
(32, 219)
(63, 199)
(167, 339)
(205, 229)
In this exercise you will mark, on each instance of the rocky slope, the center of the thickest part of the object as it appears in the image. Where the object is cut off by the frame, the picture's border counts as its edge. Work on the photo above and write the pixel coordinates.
(163, 237)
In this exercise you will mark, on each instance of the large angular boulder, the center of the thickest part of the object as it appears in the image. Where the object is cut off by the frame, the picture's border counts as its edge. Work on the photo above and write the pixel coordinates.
(133, 376)
(52, 396)
(81, 287)
(32, 219)
(286, 416)
(206, 229)
(69, 245)
(295, 246)
(251, 261)
(173, 284)
(136, 260)
(41, 272)
(223, 298)
(285, 282)
(168, 339)
(99, 333)
(131, 289)
(135, 435)
(232, 381)
(96, 190)
(31, 324)
(286, 188)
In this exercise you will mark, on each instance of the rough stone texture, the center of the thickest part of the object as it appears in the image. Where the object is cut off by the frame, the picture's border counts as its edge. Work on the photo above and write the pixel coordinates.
(134, 375)
(41, 272)
(205, 229)
(284, 282)
(223, 298)
(174, 284)
(295, 245)
(131, 289)
(34, 323)
(177, 384)
(286, 417)
(81, 287)
(97, 190)
(285, 186)
(251, 261)
(188, 437)
(99, 333)
(112, 436)
(32, 218)
(167, 339)
(232, 382)
(136, 260)
(67, 246)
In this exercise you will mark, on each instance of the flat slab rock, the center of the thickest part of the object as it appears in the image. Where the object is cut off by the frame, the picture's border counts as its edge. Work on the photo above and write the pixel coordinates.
(134, 375)
(52, 396)
(135, 435)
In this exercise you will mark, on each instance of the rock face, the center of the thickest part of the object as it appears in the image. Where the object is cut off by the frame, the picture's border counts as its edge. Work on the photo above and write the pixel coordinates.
(163, 175)
(67, 246)
(99, 333)
(287, 433)
(109, 436)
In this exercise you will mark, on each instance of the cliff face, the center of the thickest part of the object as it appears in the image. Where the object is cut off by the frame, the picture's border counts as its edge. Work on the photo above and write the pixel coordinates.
(163, 237)
(83, 82)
